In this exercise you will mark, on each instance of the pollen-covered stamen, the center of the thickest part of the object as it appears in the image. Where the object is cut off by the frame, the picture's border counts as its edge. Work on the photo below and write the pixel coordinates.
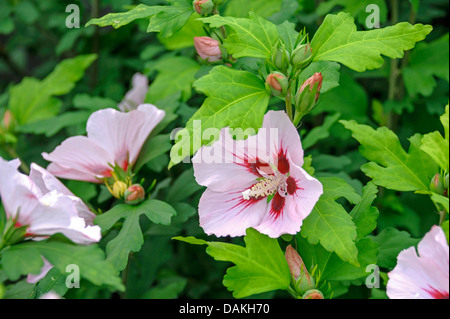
(267, 186)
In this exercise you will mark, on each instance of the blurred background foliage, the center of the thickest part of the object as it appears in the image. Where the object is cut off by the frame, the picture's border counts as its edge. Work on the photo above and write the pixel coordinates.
(407, 95)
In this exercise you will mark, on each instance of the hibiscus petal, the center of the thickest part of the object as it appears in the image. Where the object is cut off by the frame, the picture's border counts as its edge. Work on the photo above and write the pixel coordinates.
(123, 134)
(47, 182)
(136, 96)
(224, 166)
(424, 277)
(228, 214)
(287, 139)
(79, 158)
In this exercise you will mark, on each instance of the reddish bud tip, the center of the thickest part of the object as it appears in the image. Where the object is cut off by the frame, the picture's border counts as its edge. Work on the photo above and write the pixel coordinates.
(134, 194)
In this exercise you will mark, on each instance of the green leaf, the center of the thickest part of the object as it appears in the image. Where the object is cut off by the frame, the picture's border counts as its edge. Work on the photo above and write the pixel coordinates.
(427, 61)
(20, 260)
(335, 187)
(53, 125)
(118, 20)
(364, 214)
(153, 148)
(25, 258)
(235, 98)
(54, 281)
(337, 39)
(391, 166)
(331, 267)
(251, 37)
(172, 18)
(263, 8)
(130, 238)
(184, 38)
(174, 74)
(259, 267)
(331, 225)
(320, 132)
(392, 242)
(32, 100)
(436, 146)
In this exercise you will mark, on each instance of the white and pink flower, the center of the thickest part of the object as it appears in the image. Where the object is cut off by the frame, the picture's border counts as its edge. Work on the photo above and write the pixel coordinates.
(113, 139)
(258, 182)
(42, 204)
(424, 275)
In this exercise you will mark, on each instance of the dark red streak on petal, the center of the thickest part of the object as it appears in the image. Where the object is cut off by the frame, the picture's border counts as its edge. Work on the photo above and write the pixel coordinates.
(253, 165)
(291, 185)
(277, 205)
(283, 163)
(436, 294)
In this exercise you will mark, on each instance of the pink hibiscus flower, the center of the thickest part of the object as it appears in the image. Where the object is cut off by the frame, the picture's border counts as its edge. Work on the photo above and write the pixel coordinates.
(424, 275)
(42, 204)
(258, 182)
(113, 139)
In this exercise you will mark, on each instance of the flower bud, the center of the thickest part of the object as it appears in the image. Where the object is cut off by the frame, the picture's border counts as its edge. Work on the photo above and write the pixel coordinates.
(208, 48)
(204, 7)
(119, 189)
(277, 84)
(308, 94)
(313, 294)
(280, 57)
(7, 119)
(437, 184)
(302, 55)
(300, 275)
(134, 194)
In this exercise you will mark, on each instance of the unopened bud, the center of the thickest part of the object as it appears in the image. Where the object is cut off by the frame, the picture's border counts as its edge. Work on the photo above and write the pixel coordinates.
(280, 57)
(208, 48)
(7, 119)
(313, 294)
(300, 275)
(302, 55)
(308, 94)
(204, 7)
(134, 194)
(118, 189)
(437, 184)
(277, 84)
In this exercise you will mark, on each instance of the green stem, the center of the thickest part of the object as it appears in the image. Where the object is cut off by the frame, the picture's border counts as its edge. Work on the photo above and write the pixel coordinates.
(289, 105)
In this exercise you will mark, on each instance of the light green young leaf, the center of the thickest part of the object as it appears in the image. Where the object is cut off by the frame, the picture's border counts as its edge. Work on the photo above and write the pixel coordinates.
(391, 166)
(251, 37)
(237, 99)
(337, 39)
(118, 20)
(259, 267)
(436, 146)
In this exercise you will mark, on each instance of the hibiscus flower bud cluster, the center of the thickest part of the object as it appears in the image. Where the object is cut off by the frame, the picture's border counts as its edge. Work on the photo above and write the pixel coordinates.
(303, 282)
